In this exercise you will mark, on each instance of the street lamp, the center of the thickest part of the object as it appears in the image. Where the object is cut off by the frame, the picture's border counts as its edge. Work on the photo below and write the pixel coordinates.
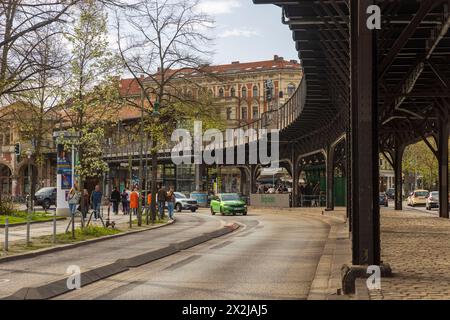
(29, 153)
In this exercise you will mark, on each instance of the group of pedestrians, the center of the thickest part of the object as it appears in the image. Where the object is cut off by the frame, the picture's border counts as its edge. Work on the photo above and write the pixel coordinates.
(130, 201)
(83, 201)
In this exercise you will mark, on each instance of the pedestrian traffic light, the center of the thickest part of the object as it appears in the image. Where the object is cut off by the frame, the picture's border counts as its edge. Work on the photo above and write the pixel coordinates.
(17, 149)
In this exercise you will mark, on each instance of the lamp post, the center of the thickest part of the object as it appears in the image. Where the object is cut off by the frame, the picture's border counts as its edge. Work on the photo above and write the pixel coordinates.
(30, 200)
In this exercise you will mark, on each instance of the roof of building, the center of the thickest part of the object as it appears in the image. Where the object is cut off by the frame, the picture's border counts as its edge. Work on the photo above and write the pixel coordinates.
(130, 86)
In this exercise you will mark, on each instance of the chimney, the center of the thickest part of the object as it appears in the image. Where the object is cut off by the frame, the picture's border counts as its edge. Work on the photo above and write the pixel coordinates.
(293, 61)
(235, 62)
(275, 57)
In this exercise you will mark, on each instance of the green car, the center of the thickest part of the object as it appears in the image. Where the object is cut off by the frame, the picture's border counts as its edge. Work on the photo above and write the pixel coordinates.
(228, 203)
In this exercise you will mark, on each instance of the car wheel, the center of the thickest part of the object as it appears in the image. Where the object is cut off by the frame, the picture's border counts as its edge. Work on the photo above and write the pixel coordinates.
(193, 210)
(46, 204)
(244, 213)
(178, 207)
(212, 211)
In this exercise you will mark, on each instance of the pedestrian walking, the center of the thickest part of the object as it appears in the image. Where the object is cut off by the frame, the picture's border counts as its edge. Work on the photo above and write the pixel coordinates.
(134, 201)
(125, 201)
(170, 198)
(96, 201)
(161, 199)
(73, 198)
(115, 199)
(85, 206)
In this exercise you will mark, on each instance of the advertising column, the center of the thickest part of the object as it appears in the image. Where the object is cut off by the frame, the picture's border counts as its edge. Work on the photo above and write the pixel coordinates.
(64, 179)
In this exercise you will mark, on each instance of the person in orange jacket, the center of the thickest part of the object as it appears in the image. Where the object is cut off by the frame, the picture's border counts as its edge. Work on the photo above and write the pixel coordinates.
(149, 199)
(134, 201)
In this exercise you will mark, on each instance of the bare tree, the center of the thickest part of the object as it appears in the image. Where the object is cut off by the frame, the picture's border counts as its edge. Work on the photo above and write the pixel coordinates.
(166, 40)
(39, 97)
(20, 20)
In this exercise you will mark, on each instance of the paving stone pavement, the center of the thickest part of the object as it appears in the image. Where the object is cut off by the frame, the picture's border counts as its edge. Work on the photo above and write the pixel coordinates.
(417, 246)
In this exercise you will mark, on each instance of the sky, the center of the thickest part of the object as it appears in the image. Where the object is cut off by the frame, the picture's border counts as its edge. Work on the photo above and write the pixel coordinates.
(248, 32)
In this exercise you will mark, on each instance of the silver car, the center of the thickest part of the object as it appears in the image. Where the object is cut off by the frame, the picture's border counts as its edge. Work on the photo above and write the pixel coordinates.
(432, 200)
(184, 203)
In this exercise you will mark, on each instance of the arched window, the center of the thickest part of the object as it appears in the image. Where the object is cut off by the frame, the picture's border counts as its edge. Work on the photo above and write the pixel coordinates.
(221, 92)
(244, 113)
(255, 112)
(229, 112)
(244, 92)
(290, 89)
(255, 92)
(233, 92)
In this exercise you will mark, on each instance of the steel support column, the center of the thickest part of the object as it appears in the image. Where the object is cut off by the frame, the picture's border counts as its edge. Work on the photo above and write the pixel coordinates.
(364, 139)
(398, 157)
(330, 177)
(443, 169)
(252, 182)
(295, 172)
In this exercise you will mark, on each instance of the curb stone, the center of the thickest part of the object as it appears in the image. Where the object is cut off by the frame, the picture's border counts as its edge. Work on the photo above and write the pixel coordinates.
(63, 247)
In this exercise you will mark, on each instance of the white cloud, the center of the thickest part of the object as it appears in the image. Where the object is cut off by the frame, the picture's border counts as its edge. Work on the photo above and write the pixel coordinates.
(242, 32)
(215, 7)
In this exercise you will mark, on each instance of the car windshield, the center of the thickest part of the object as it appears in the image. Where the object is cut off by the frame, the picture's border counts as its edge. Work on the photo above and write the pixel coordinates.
(421, 193)
(230, 197)
(179, 195)
(44, 190)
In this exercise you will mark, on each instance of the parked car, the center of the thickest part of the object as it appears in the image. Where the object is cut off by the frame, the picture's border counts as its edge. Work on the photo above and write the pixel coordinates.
(184, 203)
(390, 193)
(432, 200)
(228, 203)
(383, 199)
(417, 197)
(45, 197)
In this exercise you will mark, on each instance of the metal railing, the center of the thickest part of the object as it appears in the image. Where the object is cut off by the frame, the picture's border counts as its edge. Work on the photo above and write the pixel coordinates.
(275, 119)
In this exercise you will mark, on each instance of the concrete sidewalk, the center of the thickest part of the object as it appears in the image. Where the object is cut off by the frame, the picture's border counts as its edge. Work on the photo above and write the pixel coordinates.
(32, 272)
(17, 233)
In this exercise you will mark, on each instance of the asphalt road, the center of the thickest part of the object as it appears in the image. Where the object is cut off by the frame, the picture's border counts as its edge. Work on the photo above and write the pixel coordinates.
(272, 256)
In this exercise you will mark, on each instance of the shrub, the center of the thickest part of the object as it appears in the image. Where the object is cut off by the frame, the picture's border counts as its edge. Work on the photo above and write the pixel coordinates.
(6, 207)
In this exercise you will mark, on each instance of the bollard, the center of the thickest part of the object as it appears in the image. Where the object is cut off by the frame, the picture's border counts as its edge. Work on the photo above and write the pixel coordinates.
(5, 247)
(28, 228)
(54, 228)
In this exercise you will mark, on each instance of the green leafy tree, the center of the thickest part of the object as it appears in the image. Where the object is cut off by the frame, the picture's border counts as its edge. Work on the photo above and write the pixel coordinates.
(93, 92)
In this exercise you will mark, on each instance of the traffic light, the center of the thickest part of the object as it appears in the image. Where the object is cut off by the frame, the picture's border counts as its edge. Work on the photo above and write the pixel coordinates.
(17, 149)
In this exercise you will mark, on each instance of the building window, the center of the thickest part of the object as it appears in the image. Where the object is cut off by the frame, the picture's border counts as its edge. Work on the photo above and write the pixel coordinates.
(221, 92)
(233, 92)
(229, 113)
(244, 113)
(255, 112)
(244, 92)
(255, 92)
(290, 89)
(210, 93)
